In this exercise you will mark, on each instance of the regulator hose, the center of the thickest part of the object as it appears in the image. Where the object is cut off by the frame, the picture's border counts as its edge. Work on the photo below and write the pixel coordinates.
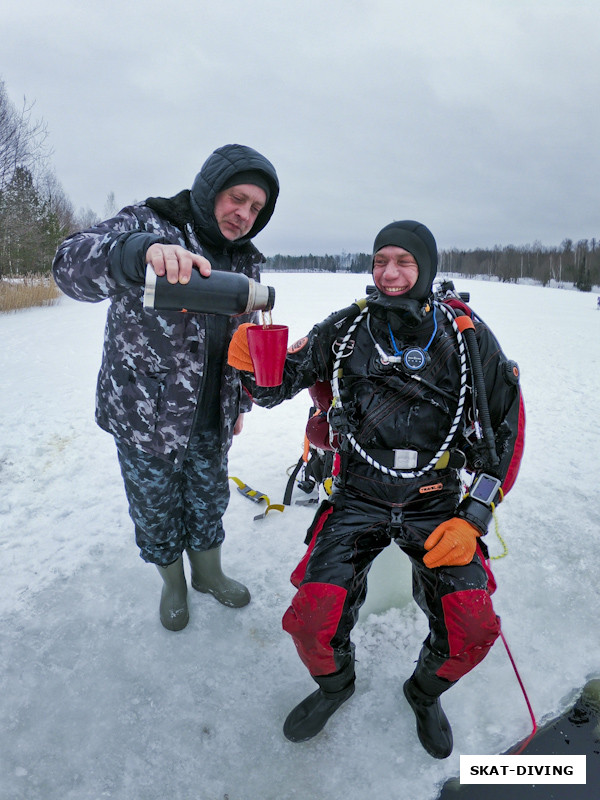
(467, 327)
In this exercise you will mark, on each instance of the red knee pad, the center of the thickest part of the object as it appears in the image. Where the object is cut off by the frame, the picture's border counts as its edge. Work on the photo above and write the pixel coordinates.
(472, 627)
(312, 620)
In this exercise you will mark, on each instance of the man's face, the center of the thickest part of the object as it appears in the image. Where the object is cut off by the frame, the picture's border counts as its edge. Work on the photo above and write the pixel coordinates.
(237, 208)
(395, 270)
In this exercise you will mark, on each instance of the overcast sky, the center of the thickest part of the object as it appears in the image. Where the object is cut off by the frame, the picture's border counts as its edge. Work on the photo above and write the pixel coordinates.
(480, 118)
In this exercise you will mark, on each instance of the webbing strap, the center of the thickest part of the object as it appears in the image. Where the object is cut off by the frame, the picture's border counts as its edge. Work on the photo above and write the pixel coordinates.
(287, 497)
(256, 497)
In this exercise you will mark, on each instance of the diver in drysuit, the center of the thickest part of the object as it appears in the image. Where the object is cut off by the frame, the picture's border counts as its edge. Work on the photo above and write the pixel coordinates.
(404, 421)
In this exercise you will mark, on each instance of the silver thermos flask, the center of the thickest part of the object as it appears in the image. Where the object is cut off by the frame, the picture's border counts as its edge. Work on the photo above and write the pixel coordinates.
(228, 293)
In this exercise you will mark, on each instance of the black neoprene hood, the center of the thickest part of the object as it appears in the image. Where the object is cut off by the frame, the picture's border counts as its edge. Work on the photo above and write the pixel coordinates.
(418, 240)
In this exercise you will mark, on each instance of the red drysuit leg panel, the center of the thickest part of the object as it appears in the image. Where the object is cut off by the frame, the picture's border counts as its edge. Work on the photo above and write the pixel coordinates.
(297, 575)
(472, 627)
(312, 620)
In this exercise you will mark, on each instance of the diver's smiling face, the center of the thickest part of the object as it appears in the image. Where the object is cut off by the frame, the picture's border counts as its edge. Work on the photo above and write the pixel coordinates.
(395, 270)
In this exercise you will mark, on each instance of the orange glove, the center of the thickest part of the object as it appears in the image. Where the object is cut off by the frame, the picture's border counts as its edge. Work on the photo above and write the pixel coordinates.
(451, 544)
(238, 355)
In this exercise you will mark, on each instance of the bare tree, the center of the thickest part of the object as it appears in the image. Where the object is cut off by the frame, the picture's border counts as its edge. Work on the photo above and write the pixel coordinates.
(22, 140)
(56, 202)
(86, 218)
(110, 206)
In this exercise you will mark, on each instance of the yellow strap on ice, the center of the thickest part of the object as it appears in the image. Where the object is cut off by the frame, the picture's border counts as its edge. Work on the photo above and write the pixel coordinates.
(256, 497)
(497, 530)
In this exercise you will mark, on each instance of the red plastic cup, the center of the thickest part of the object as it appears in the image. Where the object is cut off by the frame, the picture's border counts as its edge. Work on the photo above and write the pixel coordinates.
(268, 348)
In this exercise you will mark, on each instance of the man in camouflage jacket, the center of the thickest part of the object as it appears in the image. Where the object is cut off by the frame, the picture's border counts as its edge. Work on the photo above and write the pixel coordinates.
(165, 390)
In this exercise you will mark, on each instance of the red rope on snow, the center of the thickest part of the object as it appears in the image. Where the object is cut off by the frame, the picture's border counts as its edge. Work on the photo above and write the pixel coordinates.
(531, 714)
(514, 666)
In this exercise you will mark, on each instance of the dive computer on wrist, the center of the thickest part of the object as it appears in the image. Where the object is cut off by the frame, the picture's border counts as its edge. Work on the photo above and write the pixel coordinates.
(486, 489)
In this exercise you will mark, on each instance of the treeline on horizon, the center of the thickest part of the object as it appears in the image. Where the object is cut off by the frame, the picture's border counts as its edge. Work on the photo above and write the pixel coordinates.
(36, 215)
(576, 263)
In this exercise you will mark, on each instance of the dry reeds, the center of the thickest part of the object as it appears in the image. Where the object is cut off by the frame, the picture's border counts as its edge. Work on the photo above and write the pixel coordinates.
(27, 291)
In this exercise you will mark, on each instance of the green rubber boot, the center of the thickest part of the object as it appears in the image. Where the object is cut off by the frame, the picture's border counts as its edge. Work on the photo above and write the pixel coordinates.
(173, 610)
(207, 576)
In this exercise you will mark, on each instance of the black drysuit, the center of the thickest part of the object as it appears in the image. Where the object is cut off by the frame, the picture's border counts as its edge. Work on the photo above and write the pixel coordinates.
(387, 410)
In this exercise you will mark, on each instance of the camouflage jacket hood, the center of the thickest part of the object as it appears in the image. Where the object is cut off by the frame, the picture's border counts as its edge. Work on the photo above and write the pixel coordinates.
(153, 364)
(219, 168)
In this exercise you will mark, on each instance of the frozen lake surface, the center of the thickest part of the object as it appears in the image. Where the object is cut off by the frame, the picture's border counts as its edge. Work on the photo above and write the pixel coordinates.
(99, 701)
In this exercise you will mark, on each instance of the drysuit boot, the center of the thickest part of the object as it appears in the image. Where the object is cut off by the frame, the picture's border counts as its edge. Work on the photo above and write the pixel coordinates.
(433, 728)
(311, 715)
(207, 576)
(173, 610)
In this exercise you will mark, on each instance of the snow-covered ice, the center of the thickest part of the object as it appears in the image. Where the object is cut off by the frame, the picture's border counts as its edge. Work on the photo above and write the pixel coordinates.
(97, 700)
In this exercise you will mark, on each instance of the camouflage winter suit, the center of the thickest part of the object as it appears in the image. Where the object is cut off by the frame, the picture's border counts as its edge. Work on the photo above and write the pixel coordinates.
(154, 364)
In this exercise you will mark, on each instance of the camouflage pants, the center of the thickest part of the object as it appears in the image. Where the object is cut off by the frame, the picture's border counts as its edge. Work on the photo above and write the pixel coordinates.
(176, 508)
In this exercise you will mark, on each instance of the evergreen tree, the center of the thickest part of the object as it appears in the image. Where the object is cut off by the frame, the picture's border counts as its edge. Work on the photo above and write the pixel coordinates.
(583, 283)
(29, 231)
